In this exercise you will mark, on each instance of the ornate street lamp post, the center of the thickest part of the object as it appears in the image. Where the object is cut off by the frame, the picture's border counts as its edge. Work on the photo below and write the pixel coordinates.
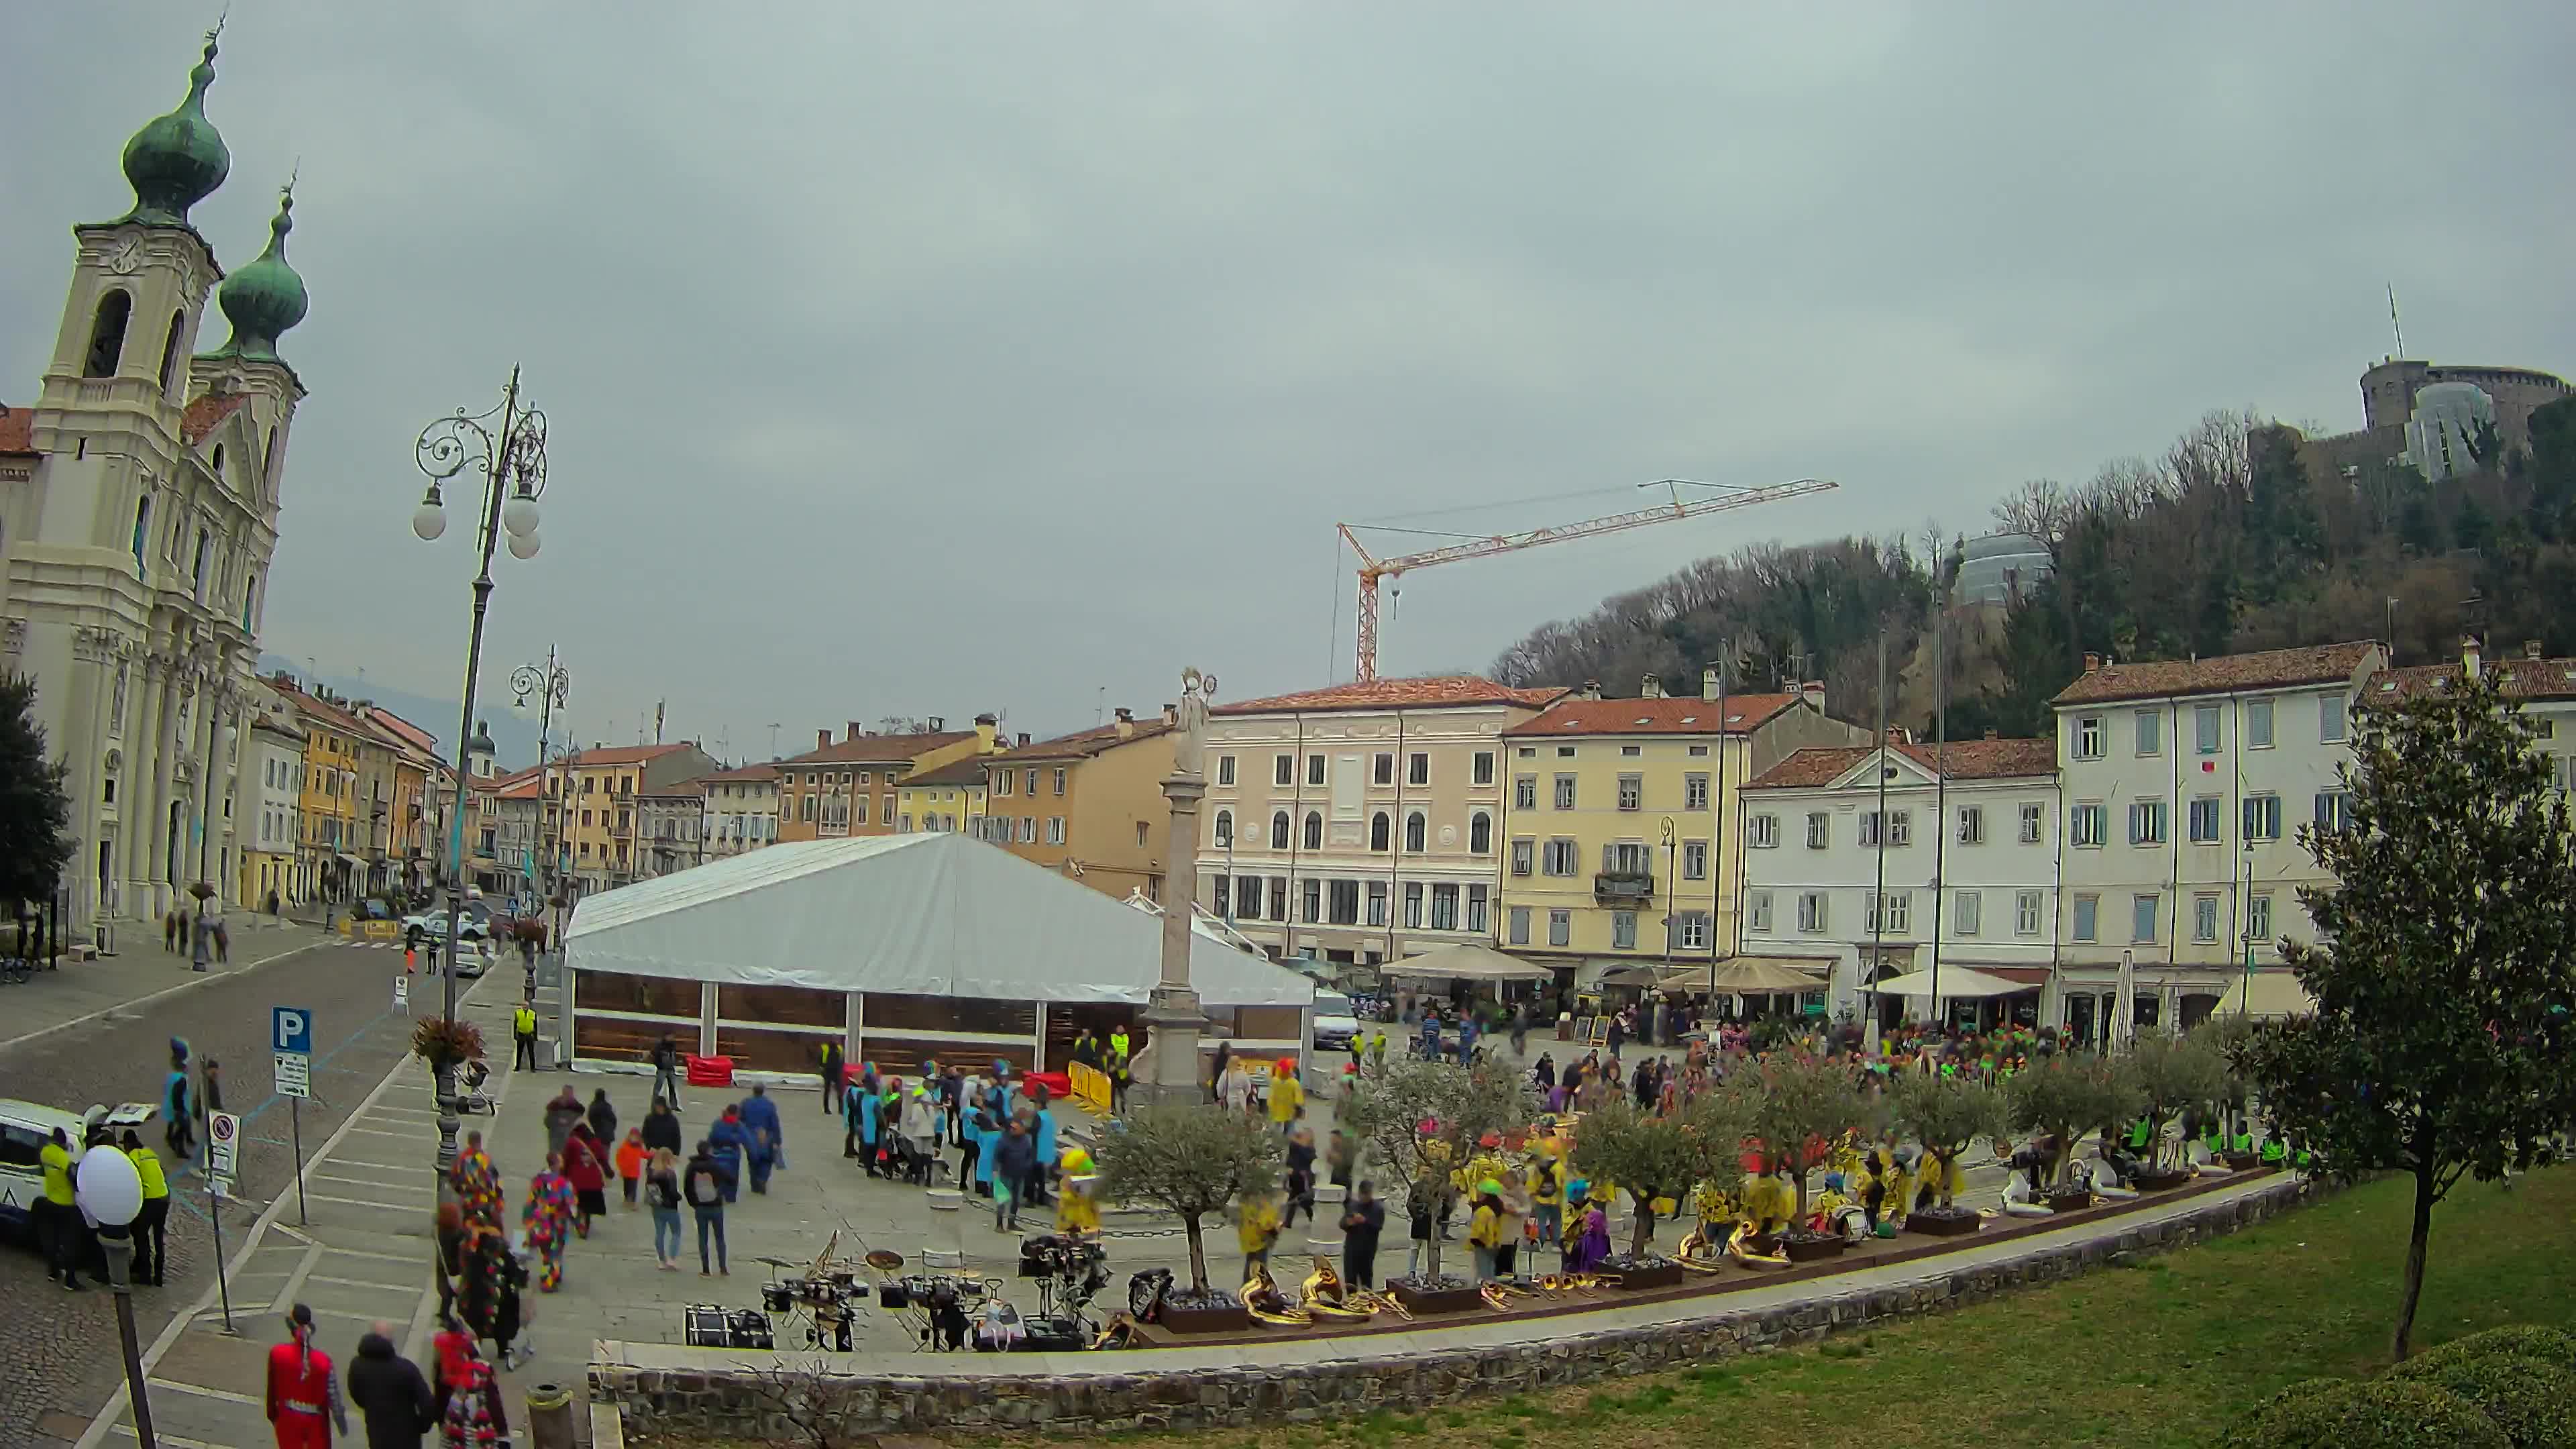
(507, 446)
(552, 685)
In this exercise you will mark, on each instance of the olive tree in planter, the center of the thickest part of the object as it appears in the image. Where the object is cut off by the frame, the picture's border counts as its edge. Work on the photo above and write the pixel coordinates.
(1718, 1124)
(2065, 1097)
(1190, 1161)
(2171, 1075)
(1653, 1157)
(1944, 1115)
(1423, 1120)
(1805, 1104)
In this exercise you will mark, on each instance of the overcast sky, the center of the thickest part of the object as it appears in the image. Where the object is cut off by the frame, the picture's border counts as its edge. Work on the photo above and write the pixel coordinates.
(930, 359)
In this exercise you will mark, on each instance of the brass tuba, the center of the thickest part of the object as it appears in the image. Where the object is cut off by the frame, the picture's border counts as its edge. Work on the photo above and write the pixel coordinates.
(1263, 1300)
(1325, 1297)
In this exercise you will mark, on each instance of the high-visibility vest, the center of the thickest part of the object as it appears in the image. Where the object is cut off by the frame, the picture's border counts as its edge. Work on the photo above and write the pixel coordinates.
(2244, 1142)
(1118, 1046)
(2139, 1132)
(2273, 1151)
(523, 1022)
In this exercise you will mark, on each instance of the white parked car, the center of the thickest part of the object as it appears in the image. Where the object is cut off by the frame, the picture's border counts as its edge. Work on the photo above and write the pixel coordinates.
(1336, 1022)
(432, 925)
(25, 1128)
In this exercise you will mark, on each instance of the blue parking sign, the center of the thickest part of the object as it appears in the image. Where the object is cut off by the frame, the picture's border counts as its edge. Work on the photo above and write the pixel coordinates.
(290, 1029)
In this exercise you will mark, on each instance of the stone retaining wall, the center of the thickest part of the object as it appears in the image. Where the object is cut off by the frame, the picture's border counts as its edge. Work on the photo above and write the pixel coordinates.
(761, 1402)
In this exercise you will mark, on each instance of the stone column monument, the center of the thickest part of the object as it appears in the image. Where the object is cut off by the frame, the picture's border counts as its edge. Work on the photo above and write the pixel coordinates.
(1167, 1071)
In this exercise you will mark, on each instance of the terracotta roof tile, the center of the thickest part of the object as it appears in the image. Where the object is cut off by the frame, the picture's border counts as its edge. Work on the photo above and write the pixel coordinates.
(329, 714)
(2227, 673)
(878, 749)
(2519, 678)
(1433, 692)
(207, 413)
(622, 755)
(17, 430)
(1665, 716)
(752, 774)
(1962, 760)
(1083, 744)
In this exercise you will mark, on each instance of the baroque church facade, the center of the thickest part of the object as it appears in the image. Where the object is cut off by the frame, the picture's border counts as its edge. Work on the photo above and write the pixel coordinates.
(138, 515)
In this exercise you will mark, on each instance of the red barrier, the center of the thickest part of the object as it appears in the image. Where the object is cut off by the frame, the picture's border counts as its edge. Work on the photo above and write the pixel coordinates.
(709, 1071)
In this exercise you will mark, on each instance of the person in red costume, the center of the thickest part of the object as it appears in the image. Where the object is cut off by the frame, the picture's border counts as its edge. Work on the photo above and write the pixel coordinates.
(303, 1387)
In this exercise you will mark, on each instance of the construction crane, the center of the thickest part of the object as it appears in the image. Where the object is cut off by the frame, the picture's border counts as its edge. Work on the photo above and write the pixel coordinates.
(1373, 568)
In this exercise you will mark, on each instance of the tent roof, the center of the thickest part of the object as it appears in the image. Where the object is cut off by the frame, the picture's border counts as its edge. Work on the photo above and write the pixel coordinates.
(933, 914)
(1956, 981)
(1468, 961)
(2275, 993)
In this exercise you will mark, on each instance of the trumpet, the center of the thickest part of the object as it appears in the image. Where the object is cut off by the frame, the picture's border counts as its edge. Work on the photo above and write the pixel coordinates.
(1379, 1303)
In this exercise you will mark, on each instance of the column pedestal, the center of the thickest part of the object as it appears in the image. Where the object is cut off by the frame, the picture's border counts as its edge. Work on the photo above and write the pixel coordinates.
(1167, 1068)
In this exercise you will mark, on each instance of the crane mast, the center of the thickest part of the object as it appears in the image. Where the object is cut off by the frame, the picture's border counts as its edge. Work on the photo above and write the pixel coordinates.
(1373, 568)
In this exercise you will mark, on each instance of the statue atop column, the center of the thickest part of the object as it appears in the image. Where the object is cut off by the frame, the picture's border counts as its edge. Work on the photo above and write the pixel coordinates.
(1189, 746)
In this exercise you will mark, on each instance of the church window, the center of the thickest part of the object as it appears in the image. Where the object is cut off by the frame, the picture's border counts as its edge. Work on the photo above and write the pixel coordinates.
(142, 526)
(107, 334)
(217, 467)
(170, 351)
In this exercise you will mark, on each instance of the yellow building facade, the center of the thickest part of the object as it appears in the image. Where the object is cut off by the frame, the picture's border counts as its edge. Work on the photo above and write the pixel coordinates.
(854, 786)
(1089, 805)
(1618, 820)
(947, 798)
(330, 863)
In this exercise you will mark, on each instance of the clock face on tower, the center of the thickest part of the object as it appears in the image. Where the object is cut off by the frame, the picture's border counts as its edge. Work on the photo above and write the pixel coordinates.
(127, 256)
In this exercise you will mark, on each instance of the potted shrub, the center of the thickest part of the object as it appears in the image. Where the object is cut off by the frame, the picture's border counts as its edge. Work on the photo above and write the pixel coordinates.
(2061, 1099)
(1190, 1161)
(1943, 1114)
(2170, 1075)
(1805, 1104)
(1422, 1120)
(1653, 1158)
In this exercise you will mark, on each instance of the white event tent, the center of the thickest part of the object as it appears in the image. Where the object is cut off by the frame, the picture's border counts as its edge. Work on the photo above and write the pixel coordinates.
(900, 947)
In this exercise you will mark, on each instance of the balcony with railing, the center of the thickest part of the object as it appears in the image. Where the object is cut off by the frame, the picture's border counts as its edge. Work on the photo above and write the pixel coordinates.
(1623, 886)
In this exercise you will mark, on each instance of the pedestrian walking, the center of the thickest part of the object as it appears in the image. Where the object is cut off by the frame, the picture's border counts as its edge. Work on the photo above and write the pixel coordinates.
(630, 1164)
(1041, 1125)
(731, 1142)
(548, 1219)
(708, 1186)
(760, 1114)
(1256, 1228)
(1287, 1096)
(562, 1111)
(1301, 1178)
(666, 1072)
(487, 1295)
(476, 1182)
(393, 1399)
(1362, 1221)
(210, 1091)
(832, 1073)
(662, 1195)
(170, 932)
(602, 1117)
(523, 1034)
(448, 1233)
(1216, 1068)
(861, 1110)
(662, 1128)
(151, 1229)
(585, 1166)
(1014, 1158)
(179, 1104)
(303, 1388)
(470, 1415)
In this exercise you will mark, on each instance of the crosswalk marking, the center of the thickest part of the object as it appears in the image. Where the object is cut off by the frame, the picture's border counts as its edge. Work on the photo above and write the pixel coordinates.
(363, 1202)
(201, 1391)
(361, 1283)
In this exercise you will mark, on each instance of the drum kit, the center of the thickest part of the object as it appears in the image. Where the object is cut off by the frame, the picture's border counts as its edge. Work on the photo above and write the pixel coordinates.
(826, 1293)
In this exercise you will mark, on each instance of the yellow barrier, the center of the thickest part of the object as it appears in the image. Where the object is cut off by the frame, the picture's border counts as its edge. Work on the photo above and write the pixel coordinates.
(354, 929)
(1090, 1086)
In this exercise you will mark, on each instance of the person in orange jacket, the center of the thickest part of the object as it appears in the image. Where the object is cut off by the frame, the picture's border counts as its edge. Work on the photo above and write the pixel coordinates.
(630, 1164)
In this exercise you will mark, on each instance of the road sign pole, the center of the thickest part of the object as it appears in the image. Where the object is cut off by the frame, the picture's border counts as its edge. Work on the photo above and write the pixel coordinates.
(215, 1220)
(295, 1129)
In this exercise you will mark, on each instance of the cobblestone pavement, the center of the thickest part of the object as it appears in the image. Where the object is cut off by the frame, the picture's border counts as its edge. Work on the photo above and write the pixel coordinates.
(64, 1360)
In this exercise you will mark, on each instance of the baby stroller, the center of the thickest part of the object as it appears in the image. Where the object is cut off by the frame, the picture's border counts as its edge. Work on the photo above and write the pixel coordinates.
(470, 1097)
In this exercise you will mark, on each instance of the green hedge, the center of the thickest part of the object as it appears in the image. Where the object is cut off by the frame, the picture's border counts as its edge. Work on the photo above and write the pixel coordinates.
(2514, 1340)
(2368, 1414)
(2532, 1400)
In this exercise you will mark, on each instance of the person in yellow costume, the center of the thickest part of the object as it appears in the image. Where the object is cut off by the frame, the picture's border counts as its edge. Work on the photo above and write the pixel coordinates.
(1287, 1095)
(1075, 1210)
(1256, 1228)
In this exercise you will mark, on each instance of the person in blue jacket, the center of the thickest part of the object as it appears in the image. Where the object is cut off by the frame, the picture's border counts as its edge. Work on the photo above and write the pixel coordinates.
(732, 1143)
(850, 1114)
(871, 1099)
(178, 1104)
(768, 1137)
(988, 1135)
(1042, 1126)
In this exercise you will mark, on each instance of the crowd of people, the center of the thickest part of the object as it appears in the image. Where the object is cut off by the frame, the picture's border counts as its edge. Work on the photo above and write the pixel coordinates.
(308, 1397)
(1002, 1125)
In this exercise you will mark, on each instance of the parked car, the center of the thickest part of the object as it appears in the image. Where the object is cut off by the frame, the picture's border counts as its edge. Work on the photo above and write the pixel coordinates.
(432, 925)
(1336, 1021)
(25, 1128)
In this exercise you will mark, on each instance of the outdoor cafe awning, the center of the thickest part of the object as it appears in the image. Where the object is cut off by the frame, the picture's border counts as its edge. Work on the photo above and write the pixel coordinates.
(1467, 961)
(2274, 993)
(1763, 975)
(1962, 982)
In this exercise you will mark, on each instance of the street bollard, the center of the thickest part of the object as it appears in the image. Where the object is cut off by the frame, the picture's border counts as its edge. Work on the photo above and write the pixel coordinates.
(550, 1416)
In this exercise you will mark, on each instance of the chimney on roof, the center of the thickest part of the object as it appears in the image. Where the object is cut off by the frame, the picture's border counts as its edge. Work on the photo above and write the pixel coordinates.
(2469, 655)
(1650, 687)
(1126, 722)
(852, 731)
(823, 738)
(987, 728)
(1709, 687)
(938, 723)
(2092, 663)
(1591, 690)
(1896, 734)
(1171, 714)
(1024, 737)
(1813, 692)
(2530, 648)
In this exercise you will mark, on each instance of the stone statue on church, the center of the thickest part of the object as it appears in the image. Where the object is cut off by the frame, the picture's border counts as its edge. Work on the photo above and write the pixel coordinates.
(1189, 745)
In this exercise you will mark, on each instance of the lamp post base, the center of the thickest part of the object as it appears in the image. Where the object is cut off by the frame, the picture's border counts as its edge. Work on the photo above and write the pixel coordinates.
(1167, 1070)
(118, 1247)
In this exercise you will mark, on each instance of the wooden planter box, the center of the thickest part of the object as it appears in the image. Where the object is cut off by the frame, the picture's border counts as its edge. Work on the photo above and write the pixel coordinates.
(1667, 1274)
(1936, 1224)
(1438, 1300)
(2160, 1179)
(1233, 1318)
(1814, 1250)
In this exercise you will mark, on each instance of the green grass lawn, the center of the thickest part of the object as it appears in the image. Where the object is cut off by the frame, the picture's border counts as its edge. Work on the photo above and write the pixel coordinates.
(2162, 1353)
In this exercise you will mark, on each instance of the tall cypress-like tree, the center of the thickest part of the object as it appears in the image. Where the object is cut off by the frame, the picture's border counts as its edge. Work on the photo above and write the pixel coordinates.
(2445, 963)
(35, 814)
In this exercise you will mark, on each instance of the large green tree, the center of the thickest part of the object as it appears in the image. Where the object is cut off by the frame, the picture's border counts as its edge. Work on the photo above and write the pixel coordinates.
(1424, 1119)
(2445, 962)
(1806, 1103)
(1190, 1161)
(2067, 1096)
(1651, 1156)
(1944, 1114)
(2172, 1074)
(35, 814)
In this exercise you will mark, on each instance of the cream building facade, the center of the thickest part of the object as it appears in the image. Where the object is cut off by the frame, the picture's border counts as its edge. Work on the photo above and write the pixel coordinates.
(741, 810)
(1360, 823)
(1089, 805)
(140, 515)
